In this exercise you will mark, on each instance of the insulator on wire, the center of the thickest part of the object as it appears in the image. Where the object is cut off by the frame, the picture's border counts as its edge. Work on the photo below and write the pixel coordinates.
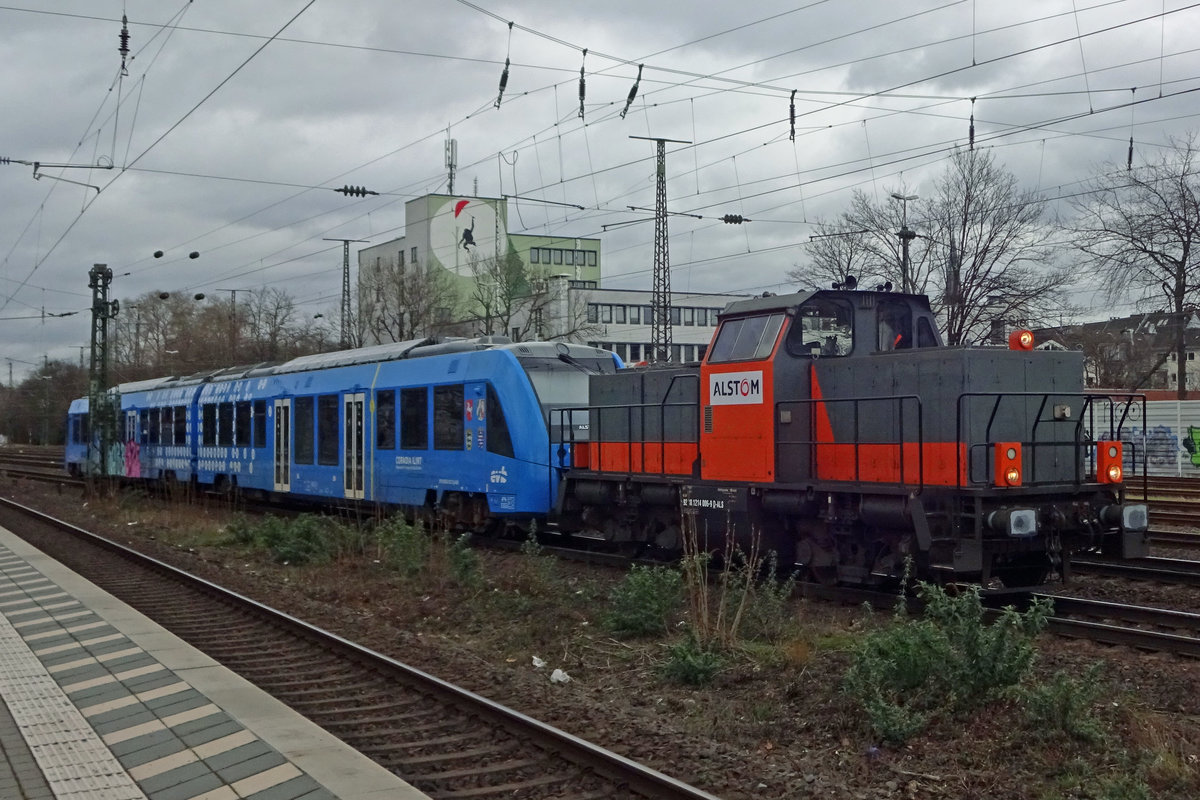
(507, 62)
(582, 84)
(124, 48)
(355, 191)
(734, 219)
(971, 131)
(632, 91)
(503, 83)
(792, 115)
(1129, 157)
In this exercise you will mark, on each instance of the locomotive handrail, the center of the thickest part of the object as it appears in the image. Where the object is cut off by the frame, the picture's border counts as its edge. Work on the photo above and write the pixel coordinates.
(1078, 442)
(597, 436)
(857, 442)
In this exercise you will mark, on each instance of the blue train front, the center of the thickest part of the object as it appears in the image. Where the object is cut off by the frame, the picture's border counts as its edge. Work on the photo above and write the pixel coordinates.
(460, 427)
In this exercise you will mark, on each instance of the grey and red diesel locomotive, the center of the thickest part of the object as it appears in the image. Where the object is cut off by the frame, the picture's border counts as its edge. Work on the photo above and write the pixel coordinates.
(832, 425)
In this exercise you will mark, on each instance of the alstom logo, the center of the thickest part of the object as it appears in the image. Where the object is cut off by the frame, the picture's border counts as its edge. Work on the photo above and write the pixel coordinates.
(735, 388)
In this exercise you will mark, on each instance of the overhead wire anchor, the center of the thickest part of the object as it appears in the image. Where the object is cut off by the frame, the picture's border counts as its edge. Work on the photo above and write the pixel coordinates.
(633, 90)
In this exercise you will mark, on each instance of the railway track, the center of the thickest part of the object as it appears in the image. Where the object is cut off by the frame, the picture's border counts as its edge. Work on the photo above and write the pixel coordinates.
(1164, 570)
(446, 741)
(1139, 627)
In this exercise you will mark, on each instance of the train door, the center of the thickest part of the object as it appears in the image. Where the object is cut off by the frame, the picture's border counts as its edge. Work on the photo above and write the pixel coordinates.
(353, 442)
(283, 445)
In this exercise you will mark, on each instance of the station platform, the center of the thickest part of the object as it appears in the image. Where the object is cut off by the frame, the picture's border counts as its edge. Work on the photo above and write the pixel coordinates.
(98, 702)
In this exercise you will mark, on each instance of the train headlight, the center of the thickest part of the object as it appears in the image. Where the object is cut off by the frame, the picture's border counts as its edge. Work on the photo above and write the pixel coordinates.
(1013, 521)
(1007, 468)
(1020, 340)
(1109, 457)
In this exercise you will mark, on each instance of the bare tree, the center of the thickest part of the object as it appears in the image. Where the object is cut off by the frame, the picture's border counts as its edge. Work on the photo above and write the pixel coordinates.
(981, 251)
(398, 302)
(270, 317)
(994, 249)
(1138, 230)
(863, 242)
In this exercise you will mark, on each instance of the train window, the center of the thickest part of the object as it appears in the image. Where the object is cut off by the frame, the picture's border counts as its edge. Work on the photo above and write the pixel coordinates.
(180, 424)
(167, 425)
(448, 427)
(225, 425)
(895, 326)
(823, 327)
(260, 421)
(414, 419)
(499, 441)
(84, 433)
(328, 446)
(154, 434)
(143, 434)
(926, 337)
(385, 416)
(209, 424)
(747, 338)
(241, 424)
(302, 431)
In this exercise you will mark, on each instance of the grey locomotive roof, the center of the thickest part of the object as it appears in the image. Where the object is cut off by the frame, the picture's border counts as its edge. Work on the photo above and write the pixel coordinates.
(782, 302)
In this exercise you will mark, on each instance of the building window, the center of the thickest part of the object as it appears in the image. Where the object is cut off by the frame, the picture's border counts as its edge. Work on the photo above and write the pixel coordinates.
(414, 255)
(635, 315)
(400, 259)
(675, 353)
(570, 257)
(606, 314)
(558, 256)
(533, 255)
(591, 258)
(593, 313)
(689, 316)
(675, 315)
(712, 317)
(701, 316)
(579, 257)
(545, 255)
(619, 315)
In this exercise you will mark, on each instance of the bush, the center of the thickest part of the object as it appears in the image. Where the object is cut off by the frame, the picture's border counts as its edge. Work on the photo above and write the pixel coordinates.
(1065, 705)
(642, 603)
(691, 664)
(242, 531)
(464, 562)
(307, 539)
(767, 616)
(401, 545)
(948, 661)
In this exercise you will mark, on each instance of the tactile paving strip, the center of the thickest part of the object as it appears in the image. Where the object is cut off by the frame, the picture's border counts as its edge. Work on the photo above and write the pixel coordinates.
(76, 763)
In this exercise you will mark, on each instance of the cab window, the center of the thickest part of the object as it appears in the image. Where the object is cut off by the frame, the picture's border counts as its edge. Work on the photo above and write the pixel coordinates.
(823, 327)
(746, 338)
(895, 326)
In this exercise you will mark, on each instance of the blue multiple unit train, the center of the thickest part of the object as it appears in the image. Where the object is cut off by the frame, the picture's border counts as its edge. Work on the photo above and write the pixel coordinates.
(458, 425)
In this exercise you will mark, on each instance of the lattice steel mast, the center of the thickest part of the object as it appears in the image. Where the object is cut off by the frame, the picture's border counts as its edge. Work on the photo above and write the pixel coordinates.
(660, 302)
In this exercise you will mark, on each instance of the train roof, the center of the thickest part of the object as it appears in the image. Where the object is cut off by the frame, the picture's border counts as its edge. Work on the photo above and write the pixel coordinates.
(783, 302)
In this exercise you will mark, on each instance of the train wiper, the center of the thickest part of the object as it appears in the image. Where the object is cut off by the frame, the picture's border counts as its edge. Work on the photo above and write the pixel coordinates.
(566, 359)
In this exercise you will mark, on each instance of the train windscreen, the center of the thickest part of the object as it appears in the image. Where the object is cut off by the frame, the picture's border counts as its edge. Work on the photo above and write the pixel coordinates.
(562, 382)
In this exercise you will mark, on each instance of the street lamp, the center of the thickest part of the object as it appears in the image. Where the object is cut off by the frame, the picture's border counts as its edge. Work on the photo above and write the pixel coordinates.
(906, 236)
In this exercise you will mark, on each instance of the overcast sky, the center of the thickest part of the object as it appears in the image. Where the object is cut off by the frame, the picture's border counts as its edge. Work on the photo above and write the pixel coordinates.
(237, 120)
